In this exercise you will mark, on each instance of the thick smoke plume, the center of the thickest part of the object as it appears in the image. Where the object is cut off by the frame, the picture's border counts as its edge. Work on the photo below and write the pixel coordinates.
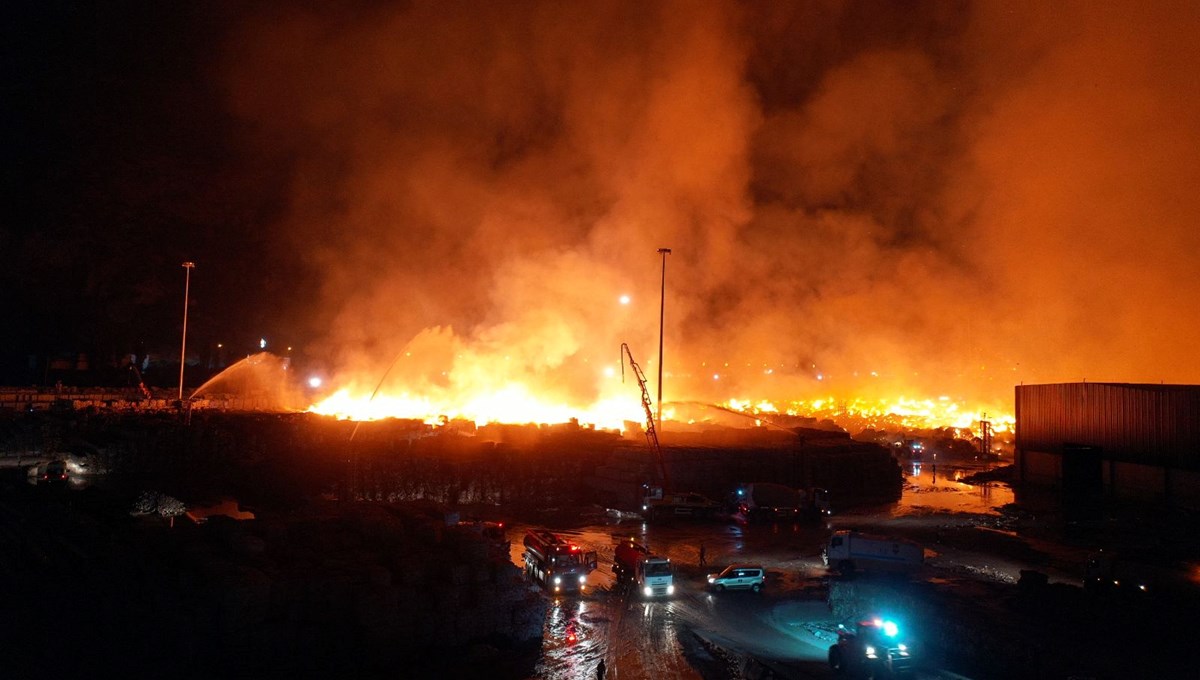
(861, 198)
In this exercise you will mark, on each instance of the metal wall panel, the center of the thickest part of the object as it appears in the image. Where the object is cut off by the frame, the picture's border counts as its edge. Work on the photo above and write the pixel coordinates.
(1150, 424)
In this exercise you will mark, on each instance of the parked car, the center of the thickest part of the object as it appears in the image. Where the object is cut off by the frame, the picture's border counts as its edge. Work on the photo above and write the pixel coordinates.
(737, 576)
(54, 473)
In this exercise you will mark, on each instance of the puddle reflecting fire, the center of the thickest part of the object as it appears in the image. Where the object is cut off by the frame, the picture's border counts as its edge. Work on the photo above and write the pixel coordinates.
(930, 487)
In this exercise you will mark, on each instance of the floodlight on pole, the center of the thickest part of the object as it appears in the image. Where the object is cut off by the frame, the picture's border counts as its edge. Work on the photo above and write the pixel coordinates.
(662, 307)
(187, 282)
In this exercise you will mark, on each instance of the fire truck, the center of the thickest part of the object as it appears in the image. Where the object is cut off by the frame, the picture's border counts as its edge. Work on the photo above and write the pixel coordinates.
(557, 564)
(874, 648)
(651, 574)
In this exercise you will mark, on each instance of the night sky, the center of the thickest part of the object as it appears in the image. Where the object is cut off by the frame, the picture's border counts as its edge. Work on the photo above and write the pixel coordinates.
(862, 197)
(123, 162)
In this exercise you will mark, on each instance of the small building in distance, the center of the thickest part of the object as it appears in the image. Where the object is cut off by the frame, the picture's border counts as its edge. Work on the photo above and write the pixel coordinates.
(1130, 441)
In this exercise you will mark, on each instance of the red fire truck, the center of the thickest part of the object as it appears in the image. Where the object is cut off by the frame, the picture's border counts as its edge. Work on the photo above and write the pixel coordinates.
(557, 564)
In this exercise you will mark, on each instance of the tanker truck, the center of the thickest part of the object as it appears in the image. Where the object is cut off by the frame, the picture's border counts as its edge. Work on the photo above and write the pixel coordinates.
(848, 551)
(651, 574)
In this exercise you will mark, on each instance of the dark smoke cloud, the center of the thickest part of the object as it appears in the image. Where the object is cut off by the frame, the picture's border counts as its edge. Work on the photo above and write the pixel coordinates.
(862, 198)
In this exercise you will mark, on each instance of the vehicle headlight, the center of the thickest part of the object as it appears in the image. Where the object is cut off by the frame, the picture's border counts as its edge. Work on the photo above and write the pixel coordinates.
(902, 647)
(671, 589)
(648, 591)
(582, 579)
(557, 580)
(870, 651)
(711, 579)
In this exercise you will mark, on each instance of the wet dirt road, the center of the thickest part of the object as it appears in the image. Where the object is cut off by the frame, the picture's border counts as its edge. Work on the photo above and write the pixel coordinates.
(689, 635)
(785, 630)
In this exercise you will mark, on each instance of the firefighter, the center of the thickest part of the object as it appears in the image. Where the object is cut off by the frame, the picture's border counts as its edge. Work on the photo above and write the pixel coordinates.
(703, 562)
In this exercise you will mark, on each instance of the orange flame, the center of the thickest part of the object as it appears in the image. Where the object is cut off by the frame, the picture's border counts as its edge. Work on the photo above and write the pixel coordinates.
(901, 412)
(515, 403)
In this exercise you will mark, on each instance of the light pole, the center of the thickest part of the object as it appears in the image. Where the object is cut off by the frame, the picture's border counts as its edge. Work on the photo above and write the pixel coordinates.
(662, 307)
(187, 282)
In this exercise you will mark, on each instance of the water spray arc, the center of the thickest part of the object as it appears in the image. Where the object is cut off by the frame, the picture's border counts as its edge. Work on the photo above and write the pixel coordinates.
(262, 378)
(378, 386)
(662, 315)
(354, 474)
(187, 283)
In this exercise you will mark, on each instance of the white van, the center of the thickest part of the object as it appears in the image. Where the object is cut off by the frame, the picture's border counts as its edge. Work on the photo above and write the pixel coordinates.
(737, 576)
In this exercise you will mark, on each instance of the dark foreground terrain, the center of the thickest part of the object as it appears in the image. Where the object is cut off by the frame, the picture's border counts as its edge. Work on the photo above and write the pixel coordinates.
(351, 564)
(327, 590)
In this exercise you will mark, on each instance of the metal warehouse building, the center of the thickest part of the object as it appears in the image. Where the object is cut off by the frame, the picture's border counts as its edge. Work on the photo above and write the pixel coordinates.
(1126, 440)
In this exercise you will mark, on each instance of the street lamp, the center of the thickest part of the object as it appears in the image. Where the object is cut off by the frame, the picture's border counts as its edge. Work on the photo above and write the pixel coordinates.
(662, 306)
(187, 281)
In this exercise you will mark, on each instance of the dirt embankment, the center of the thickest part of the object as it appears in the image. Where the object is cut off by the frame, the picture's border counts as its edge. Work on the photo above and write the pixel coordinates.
(359, 589)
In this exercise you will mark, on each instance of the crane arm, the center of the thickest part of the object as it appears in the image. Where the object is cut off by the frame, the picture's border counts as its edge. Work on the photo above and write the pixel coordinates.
(647, 406)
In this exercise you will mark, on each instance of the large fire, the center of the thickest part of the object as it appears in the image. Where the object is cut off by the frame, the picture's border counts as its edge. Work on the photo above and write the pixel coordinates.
(875, 235)
(511, 404)
(515, 403)
(902, 412)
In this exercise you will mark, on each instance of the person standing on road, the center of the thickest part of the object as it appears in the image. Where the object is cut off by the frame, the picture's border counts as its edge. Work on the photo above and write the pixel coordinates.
(600, 670)
(703, 562)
